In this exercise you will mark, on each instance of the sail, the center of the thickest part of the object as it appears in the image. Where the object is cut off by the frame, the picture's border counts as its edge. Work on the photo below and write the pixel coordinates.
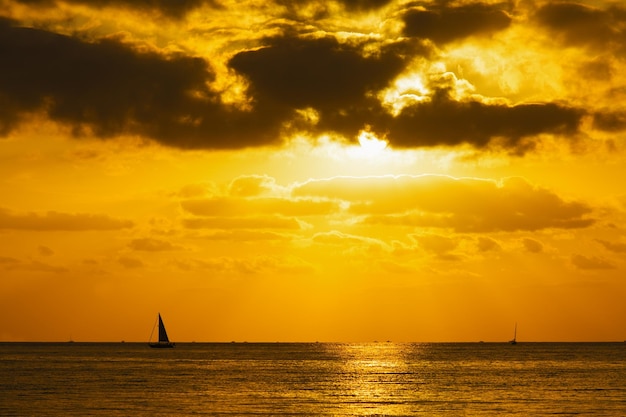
(162, 333)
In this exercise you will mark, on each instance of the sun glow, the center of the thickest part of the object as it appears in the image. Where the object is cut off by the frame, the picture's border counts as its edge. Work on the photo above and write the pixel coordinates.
(370, 144)
(406, 90)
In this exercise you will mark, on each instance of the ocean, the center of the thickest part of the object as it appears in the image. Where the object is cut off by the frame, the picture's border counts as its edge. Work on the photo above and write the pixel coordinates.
(313, 379)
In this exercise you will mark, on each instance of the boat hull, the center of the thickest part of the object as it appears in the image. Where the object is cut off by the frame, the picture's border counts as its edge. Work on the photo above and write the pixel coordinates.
(162, 345)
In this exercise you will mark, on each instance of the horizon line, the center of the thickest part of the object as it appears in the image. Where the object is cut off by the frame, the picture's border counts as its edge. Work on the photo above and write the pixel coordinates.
(311, 342)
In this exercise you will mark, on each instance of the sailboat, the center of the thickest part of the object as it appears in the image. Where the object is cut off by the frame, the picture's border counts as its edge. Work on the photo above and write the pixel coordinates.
(514, 340)
(164, 341)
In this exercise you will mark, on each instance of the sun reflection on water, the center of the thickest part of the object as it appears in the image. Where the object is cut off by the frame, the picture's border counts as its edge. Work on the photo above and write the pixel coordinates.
(377, 378)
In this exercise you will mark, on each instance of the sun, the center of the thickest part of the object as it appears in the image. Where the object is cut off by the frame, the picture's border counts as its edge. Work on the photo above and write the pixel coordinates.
(370, 144)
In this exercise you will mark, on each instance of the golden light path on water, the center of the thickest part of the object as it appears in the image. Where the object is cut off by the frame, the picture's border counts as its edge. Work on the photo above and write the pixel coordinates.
(375, 378)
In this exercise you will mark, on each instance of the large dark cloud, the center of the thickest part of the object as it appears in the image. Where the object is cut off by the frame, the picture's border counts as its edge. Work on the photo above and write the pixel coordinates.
(102, 85)
(444, 121)
(106, 88)
(318, 73)
(443, 23)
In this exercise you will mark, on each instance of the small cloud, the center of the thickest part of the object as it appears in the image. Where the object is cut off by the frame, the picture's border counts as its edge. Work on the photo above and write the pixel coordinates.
(435, 243)
(194, 191)
(239, 206)
(254, 265)
(55, 221)
(263, 222)
(13, 264)
(130, 263)
(397, 268)
(43, 267)
(591, 262)
(246, 236)
(613, 247)
(338, 238)
(486, 244)
(45, 251)
(252, 186)
(532, 245)
(151, 245)
(8, 262)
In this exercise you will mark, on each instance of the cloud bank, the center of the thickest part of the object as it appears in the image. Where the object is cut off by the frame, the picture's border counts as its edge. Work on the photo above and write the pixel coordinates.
(296, 78)
(425, 201)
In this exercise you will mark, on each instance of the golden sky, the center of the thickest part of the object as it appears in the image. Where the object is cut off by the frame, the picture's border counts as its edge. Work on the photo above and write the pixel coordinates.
(348, 170)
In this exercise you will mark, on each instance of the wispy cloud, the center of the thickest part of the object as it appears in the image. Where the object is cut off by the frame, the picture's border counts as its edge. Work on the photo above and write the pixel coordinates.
(52, 220)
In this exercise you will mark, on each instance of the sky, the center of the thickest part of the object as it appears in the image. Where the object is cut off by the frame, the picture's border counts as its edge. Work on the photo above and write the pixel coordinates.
(342, 171)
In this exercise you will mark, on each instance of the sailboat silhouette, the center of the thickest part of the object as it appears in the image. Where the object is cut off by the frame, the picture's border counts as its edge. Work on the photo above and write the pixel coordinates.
(164, 341)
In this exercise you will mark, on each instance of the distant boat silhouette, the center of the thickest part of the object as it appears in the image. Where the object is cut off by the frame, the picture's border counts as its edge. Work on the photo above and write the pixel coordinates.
(164, 341)
(514, 340)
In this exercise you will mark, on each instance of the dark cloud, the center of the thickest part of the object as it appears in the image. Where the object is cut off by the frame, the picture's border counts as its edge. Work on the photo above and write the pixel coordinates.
(104, 86)
(350, 5)
(577, 24)
(444, 121)
(610, 121)
(173, 9)
(319, 73)
(443, 24)
(107, 89)
(364, 4)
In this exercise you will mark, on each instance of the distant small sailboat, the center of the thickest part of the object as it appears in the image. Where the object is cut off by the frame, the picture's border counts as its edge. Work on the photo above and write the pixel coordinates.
(514, 340)
(164, 341)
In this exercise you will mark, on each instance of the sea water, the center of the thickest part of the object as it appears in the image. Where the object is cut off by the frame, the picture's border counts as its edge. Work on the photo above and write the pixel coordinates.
(313, 379)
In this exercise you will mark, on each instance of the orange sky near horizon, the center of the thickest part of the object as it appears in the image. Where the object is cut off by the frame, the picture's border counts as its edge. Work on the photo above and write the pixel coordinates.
(354, 170)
